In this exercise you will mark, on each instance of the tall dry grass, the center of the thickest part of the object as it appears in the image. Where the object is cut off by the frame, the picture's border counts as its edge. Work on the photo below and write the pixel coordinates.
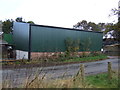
(43, 82)
(38, 81)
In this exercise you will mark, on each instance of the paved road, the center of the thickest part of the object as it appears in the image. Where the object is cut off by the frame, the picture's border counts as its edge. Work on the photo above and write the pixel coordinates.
(18, 76)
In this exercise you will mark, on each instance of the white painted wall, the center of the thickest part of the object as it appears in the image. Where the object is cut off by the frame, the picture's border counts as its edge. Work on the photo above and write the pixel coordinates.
(21, 54)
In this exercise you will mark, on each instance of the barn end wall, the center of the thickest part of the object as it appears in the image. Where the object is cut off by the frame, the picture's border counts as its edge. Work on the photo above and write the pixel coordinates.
(21, 36)
(21, 39)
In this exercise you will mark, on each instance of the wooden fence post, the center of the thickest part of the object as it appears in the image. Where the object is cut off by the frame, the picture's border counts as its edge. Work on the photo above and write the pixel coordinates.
(82, 74)
(109, 70)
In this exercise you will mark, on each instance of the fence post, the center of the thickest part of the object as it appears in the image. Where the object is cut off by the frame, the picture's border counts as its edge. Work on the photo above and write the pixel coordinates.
(109, 70)
(82, 74)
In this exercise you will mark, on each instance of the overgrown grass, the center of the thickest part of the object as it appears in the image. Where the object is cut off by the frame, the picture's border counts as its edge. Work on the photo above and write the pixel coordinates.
(93, 81)
(102, 81)
(90, 58)
(62, 59)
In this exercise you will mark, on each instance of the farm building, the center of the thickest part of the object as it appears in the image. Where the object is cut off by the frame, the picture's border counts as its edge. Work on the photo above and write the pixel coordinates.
(31, 39)
(7, 51)
(3, 48)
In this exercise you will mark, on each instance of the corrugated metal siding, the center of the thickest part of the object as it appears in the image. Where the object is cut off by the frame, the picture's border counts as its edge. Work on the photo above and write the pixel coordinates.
(48, 39)
(52, 39)
(21, 36)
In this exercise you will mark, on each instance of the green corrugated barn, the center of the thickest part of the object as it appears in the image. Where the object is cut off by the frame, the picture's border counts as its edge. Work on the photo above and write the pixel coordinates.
(40, 38)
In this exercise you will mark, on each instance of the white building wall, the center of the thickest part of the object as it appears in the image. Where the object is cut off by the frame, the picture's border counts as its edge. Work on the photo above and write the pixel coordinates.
(21, 54)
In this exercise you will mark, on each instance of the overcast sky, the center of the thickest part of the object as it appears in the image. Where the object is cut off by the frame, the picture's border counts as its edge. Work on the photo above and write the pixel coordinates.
(62, 13)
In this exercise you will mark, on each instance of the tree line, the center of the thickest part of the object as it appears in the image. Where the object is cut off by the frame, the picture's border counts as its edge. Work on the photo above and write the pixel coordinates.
(8, 24)
(102, 27)
(82, 25)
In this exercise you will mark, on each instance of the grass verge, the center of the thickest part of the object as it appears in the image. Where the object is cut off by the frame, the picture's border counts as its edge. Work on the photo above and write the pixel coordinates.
(102, 81)
(50, 62)
(88, 59)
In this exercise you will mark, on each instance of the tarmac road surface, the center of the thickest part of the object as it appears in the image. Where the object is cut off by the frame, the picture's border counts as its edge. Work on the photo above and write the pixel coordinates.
(18, 76)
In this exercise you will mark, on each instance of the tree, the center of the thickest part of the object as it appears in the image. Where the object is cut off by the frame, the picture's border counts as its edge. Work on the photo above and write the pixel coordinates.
(81, 25)
(116, 32)
(7, 26)
(31, 22)
(116, 27)
(115, 12)
(94, 27)
(107, 27)
(19, 19)
(84, 25)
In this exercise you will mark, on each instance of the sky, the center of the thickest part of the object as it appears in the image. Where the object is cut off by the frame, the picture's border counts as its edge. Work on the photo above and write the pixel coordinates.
(61, 13)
